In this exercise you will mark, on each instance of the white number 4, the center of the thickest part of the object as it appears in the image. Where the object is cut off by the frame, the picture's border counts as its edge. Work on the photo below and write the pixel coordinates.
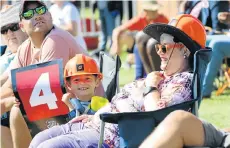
(43, 85)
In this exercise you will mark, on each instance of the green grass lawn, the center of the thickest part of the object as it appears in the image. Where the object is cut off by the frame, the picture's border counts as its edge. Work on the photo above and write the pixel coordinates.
(216, 110)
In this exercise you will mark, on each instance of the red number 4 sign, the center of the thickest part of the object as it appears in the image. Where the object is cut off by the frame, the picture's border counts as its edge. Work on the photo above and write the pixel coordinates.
(40, 89)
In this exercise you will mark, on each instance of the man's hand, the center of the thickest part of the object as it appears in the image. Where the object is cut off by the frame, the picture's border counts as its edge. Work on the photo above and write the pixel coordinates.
(8, 103)
(82, 118)
(154, 78)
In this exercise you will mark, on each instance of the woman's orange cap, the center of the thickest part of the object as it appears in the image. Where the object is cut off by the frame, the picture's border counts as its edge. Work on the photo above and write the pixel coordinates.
(191, 26)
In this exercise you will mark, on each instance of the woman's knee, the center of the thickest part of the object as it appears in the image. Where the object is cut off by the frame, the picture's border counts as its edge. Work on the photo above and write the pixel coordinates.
(141, 38)
(179, 116)
(150, 47)
(37, 140)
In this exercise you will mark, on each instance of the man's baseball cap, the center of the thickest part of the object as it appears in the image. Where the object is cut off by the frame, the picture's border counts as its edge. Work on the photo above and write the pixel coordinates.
(24, 3)
(151, 6)
(184, 28)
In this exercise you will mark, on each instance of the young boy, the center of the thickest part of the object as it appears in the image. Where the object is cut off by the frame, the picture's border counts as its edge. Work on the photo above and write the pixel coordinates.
(81, 78)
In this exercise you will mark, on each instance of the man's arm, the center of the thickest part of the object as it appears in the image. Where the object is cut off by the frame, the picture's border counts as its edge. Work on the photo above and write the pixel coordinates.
(6, 89)
(3, 79)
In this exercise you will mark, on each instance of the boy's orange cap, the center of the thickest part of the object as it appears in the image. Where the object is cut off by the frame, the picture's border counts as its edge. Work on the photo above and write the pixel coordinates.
(184, 28)
(81, 65)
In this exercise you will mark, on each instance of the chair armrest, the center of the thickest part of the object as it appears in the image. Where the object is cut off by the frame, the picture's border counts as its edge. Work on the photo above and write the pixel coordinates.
(158, 115)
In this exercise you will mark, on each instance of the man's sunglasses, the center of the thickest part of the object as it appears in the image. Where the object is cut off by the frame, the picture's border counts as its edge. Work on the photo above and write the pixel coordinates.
(30, 13)
(164, 48)
(13, 27)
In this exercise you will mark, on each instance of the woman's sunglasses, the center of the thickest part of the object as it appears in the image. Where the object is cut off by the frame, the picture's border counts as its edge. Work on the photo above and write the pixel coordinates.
(164, 48)
(30, 13)
(13, 27)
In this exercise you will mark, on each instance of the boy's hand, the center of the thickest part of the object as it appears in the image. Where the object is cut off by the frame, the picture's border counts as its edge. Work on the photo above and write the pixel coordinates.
(82, 118)
(154, 78)
(66, 97)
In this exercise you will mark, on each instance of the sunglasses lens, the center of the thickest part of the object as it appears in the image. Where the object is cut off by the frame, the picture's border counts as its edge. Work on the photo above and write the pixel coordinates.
(28, 15)
(14, 27)
(4, 31)
(41, 10)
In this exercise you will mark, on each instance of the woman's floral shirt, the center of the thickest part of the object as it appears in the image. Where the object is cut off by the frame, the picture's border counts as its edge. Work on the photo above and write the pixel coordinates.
(173, 90)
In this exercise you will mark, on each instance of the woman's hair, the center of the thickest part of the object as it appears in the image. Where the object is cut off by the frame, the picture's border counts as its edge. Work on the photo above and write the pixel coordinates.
(191, 56)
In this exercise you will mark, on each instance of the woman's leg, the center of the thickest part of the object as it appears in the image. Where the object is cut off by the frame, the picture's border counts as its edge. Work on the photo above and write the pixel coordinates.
(6, 138)
(19, 130)
(178, 129)
(54, 132)
(141, 41)
(153, 57)
(139, 69)
(79, 139)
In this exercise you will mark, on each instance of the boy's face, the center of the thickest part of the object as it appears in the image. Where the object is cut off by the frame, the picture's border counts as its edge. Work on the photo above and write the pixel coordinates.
(84, 85)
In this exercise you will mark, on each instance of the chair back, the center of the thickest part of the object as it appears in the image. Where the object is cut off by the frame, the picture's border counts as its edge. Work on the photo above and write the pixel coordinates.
(201, 60)
(109, 67)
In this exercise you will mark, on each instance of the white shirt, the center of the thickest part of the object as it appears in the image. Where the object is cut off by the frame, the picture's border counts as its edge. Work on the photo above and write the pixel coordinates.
(62, 16)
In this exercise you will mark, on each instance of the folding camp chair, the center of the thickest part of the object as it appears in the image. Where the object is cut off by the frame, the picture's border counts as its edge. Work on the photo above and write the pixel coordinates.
(132, 134)
(109, 67)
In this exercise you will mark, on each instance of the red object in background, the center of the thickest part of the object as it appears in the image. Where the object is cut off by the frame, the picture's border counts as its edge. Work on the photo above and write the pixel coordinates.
(91, 41)
(39, 87)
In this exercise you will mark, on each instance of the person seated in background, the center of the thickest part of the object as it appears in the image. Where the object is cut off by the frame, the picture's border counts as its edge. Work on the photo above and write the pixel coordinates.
(67, 17)
(160, 89)
(127, 32)
(220, 45)
(12, 36)
(82, 77)
(209, 16)
(181, 128)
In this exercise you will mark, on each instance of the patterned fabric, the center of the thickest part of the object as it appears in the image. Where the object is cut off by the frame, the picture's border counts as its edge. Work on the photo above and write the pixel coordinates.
(175, 89)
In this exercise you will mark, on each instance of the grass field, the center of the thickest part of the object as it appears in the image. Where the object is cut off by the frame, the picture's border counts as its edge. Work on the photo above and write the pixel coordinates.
(215, 110)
